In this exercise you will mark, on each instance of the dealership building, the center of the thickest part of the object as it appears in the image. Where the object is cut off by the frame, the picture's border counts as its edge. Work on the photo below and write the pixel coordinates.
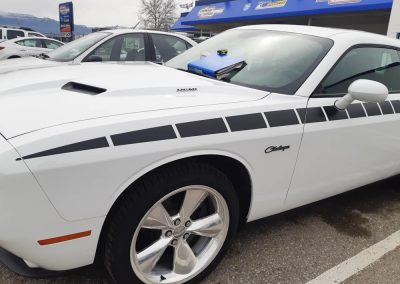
(218, 15)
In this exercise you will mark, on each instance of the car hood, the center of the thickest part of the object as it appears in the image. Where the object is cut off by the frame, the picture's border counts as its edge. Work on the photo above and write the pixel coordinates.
(39, 98)
(7, 66)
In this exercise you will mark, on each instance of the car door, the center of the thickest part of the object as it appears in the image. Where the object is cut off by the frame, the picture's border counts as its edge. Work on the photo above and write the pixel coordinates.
(342, 150)
(166, 47)
(126, 47)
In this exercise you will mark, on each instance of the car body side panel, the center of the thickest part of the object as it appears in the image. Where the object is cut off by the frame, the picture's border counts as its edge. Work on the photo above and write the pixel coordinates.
(339, 155)
(73, 180)
(27, 216)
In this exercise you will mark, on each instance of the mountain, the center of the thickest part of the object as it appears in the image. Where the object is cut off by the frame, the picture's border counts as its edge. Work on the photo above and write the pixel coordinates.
(43, 25)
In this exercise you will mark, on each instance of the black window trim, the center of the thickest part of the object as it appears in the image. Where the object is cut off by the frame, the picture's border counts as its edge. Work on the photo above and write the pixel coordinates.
(147, 46)
(315, 93)
(188, 45)
(43, 43)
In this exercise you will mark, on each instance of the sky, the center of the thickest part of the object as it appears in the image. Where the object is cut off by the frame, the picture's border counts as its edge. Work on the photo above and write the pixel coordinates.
(93, 13)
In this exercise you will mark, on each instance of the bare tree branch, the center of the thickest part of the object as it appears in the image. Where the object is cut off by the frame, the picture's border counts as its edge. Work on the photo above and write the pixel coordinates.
(158, 15)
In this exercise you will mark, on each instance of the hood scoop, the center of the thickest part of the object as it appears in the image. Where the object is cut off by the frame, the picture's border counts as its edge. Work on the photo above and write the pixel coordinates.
(82, 88)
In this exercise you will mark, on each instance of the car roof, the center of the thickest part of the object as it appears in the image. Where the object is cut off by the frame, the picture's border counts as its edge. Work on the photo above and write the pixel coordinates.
(127, 30)
(332, 33)
(309, 30)
(32, 37)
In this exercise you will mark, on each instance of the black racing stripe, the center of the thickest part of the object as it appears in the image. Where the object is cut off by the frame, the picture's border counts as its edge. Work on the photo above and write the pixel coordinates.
(246, 122)
(75, 147)
(372, 109)
(144, 135)
(202, 127)
(356, 110)
(302, 114)
(396, 105)
(311, 114)
(335, 114)
(281, 117)
(386, 107)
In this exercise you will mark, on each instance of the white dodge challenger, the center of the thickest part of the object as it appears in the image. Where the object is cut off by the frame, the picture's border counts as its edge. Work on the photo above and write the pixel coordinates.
(153, 168)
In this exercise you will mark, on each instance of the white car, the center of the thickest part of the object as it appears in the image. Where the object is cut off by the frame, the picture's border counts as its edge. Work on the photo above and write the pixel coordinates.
(153, 168)
(7, 33)
(124, 45)
(27, 46)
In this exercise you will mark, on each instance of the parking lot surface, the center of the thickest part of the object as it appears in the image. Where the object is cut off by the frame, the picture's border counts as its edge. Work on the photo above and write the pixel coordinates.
(299, 245)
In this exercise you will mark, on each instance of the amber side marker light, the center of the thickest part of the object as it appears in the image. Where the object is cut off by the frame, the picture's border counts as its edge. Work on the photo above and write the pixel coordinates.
(64, 238)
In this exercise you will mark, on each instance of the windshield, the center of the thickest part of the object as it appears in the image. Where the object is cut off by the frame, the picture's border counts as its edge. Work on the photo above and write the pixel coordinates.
(275, 61)
(75, 48)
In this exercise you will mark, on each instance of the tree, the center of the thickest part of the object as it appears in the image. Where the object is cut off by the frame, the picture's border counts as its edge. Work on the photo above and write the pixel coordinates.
(158, 15)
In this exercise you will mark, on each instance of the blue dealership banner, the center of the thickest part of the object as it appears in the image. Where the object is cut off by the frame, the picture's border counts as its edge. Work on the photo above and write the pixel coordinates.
(240, 10)
(66, 11)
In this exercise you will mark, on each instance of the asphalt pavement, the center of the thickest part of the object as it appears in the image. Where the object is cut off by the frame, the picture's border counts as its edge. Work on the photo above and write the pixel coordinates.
(299, 245)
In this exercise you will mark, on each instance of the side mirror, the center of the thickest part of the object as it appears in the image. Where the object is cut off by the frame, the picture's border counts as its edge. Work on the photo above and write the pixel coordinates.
(94, 58)
(363, 90)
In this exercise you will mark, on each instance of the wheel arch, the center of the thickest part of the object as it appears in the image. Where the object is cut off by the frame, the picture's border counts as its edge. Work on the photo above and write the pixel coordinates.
(235, 168)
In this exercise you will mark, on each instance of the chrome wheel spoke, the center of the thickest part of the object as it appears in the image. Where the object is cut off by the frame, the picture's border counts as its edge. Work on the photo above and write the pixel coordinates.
(209, 226)
(193, 199)
(184, 243)
(184, 258)
(158, 219)
(149, 257)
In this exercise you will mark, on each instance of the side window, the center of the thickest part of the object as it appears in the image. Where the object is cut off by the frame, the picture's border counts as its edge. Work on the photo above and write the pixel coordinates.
(104, 51)
(132, 48)
(167, 47)
(14, 34)
(30, 43)
(20, 42)
(52, 44)
(372, 63)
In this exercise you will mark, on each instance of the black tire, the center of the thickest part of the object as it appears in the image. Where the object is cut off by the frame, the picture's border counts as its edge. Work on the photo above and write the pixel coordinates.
(14, 57)
(138, 200)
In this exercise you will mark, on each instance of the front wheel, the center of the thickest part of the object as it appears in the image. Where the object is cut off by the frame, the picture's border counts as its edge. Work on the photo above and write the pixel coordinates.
(173, 227)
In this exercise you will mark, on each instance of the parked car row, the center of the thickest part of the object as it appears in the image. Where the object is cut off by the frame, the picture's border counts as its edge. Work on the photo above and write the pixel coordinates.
(114, 45)
(152, 168)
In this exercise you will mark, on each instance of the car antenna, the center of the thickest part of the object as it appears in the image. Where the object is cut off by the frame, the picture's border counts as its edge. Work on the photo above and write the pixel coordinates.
(135, 26)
